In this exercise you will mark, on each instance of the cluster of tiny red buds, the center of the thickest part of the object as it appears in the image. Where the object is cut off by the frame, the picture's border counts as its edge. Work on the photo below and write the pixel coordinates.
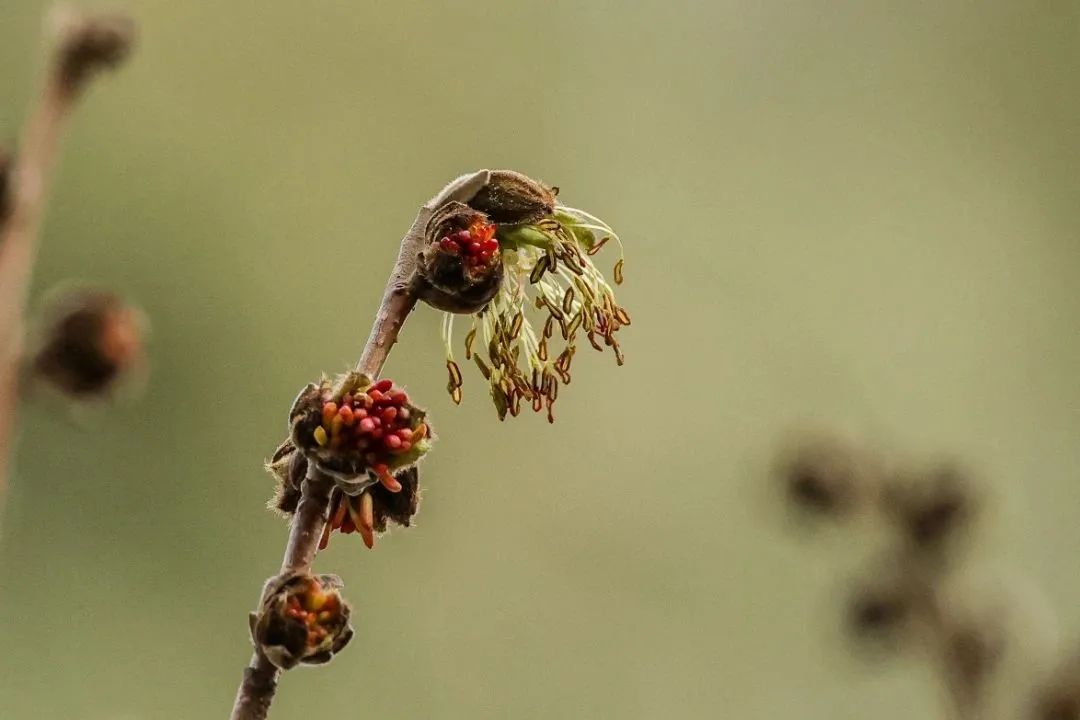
(357, 431)
(303, 619)
(477, 244)
(314, 608)
(376, 423)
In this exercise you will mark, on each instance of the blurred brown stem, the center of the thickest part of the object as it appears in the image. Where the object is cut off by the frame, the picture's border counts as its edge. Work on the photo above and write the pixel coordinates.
(84, 44)
(260, 680)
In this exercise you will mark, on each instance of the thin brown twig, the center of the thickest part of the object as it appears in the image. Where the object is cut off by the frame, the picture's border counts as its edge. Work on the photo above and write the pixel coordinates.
(260, 679)
(84, 45)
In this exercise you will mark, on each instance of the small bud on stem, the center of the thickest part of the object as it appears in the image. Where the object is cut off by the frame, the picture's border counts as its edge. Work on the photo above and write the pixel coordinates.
(302, 619)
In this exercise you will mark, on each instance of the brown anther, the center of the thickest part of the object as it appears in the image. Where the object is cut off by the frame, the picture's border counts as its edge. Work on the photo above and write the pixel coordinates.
(549, 326)
(455, 374)
(573, 264)
(575, 324)
(584, 288)
(596, 248)
(515, 328)
(618, 272)
(568, 300)
(484, 369)
(538, 270)
(553, 390)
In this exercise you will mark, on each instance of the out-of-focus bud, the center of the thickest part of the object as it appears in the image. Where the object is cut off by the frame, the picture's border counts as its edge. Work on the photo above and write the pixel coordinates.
(971, 649)
(90, 339)
(89, 43)
(931, 506)
(1059, 698)
(301, 619)
(510, 198)
(826, 476)
(359, 431)
(880, 611)
(460, 267)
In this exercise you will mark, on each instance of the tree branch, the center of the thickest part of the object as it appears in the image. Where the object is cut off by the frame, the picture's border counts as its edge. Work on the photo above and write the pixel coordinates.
(83, 46)
(260, 680)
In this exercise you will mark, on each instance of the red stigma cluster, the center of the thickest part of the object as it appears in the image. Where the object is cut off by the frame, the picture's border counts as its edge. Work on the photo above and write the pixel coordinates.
(374, 423)
(315, 609)
(477, 245)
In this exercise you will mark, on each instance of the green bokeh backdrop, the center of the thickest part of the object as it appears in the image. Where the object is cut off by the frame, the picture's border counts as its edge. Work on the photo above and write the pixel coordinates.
(862, 212)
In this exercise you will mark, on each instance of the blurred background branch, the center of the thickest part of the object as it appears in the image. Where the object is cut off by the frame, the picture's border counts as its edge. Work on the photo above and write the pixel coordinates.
(83, 45)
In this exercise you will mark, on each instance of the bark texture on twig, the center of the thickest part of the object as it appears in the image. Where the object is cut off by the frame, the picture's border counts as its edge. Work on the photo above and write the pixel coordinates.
(259, 684)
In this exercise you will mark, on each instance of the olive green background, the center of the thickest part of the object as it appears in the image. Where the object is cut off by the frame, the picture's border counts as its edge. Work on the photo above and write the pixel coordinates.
(862, 214)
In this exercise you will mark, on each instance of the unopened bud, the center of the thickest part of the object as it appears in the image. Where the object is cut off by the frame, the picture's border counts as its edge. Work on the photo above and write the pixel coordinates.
(510, 198)
(301, 619)
(91, 43)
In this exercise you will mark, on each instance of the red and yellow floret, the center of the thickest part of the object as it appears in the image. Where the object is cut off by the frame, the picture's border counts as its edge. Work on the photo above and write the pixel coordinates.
(315, 609)
(302, 619)
(477, 244)
(355, 429)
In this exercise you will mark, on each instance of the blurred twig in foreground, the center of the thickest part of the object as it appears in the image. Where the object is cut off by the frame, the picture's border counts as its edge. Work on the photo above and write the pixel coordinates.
(84, 45)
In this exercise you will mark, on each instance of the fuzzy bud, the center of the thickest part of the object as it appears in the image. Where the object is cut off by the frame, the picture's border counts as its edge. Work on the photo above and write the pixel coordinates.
(1059, 697)
(89, 341)
(461, 265)
(88, 44)
(399, 507)
(880, 611)
(825, 476)
(971, 652)
(931, 506)
(510, 198)
(289, 466)
(359, 431)
(301, 619)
